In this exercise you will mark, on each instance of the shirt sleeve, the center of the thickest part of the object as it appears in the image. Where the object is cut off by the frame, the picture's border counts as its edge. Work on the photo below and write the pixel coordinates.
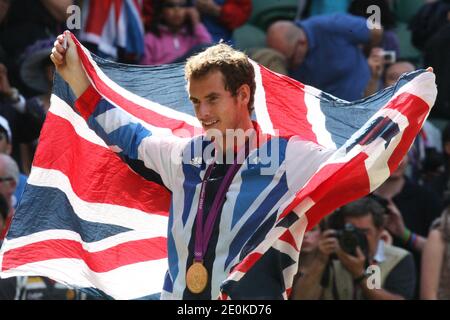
(126, 136)
(402, 279)
(235, 13)
(353, 29)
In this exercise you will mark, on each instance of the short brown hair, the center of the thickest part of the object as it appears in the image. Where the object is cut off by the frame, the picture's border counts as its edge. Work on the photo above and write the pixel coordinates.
(234, 65)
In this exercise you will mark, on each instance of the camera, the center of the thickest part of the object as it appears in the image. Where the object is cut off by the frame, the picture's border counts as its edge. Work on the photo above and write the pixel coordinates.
(350, 238)
(389, 56)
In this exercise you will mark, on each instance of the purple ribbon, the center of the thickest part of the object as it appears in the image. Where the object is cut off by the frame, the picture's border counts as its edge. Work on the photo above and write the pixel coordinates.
(203, 235)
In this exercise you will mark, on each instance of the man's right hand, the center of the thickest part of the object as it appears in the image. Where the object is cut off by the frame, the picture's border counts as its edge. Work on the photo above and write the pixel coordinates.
(328, 244)
(68, 64)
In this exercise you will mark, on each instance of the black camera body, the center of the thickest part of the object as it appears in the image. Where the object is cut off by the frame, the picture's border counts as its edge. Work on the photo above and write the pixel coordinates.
(350, 238)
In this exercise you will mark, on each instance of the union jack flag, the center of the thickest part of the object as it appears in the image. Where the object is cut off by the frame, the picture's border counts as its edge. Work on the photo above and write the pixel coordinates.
(91, 220)
(113, 24)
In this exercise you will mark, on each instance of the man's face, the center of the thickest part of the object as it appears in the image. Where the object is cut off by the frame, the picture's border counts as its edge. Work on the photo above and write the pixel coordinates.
(394, 72)
(7, 185)
(215, 107)
(311, 240)
(174, 13)
(366, 225)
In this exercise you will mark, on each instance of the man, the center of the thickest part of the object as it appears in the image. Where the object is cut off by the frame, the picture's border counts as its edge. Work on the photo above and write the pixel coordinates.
(221, 87)
(6, 148)
(412, 209)
(347, 278)
(325, 52)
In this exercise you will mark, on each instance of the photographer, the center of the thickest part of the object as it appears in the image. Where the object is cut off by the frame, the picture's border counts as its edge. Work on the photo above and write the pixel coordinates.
(347, 249)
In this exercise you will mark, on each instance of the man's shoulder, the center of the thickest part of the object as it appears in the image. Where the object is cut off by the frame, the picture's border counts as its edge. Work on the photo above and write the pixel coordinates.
(392, 251)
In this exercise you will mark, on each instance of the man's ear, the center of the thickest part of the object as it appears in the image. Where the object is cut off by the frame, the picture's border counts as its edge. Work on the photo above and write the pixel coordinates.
(243, 94)
(9, 149)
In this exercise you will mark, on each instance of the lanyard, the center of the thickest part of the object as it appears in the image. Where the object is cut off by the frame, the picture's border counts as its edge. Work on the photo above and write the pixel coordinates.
(203, 232)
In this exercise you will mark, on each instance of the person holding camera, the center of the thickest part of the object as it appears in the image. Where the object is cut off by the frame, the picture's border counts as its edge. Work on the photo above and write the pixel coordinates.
(175, 31)
(352, 261)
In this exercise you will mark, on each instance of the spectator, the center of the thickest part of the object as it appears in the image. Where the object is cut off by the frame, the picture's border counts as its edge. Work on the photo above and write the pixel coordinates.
(430, 29)
(435, 280)
(176, 30)
(27, 21)
(310, 47)
(9, 178)
(221, 17)
(346, 277)
(270, 59)
(36, 72)
(13, 109)
(412, 209)
(390, 41)
(5, 148)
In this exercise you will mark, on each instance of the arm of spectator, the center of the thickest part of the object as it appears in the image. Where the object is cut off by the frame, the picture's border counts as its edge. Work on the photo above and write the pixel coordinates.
(432, 256)
(395, 225)
(208, 7)
(201, 34)
(376, 66)
(376, 36)
(57, 8)
(12, 94)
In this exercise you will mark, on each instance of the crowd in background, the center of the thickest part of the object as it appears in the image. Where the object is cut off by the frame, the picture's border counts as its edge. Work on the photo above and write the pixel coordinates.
(402, 227)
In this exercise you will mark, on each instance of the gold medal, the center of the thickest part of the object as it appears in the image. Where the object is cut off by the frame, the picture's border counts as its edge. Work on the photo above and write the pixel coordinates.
(196, 277)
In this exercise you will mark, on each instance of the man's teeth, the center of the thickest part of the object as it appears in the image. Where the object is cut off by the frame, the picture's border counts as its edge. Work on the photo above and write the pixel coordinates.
(210, 123)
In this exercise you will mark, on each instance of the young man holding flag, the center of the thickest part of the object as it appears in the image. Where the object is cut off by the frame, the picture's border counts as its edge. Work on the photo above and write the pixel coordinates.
(241, 198)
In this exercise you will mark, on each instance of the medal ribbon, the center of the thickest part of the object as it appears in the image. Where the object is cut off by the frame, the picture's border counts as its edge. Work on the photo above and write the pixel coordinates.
(203, 235)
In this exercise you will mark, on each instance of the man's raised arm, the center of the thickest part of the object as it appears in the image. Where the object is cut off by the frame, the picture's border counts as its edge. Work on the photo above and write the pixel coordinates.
(135, 143)
(68, 64)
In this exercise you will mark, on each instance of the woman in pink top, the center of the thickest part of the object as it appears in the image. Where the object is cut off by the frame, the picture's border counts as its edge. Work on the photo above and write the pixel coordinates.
(176, 30)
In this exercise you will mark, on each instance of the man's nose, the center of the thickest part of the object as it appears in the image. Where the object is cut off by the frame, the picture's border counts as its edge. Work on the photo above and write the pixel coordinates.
(203, 110)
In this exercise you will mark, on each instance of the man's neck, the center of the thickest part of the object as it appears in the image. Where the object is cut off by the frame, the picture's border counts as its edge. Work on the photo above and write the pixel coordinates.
(233, 143)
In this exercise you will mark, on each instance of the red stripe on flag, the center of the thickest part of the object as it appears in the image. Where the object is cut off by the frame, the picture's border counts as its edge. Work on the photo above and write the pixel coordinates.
(248, 262)
(60, 148)
(349, 182)
(136, 110)
(416, 110)
(288, 115)
(287, 237)
(101, 261)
